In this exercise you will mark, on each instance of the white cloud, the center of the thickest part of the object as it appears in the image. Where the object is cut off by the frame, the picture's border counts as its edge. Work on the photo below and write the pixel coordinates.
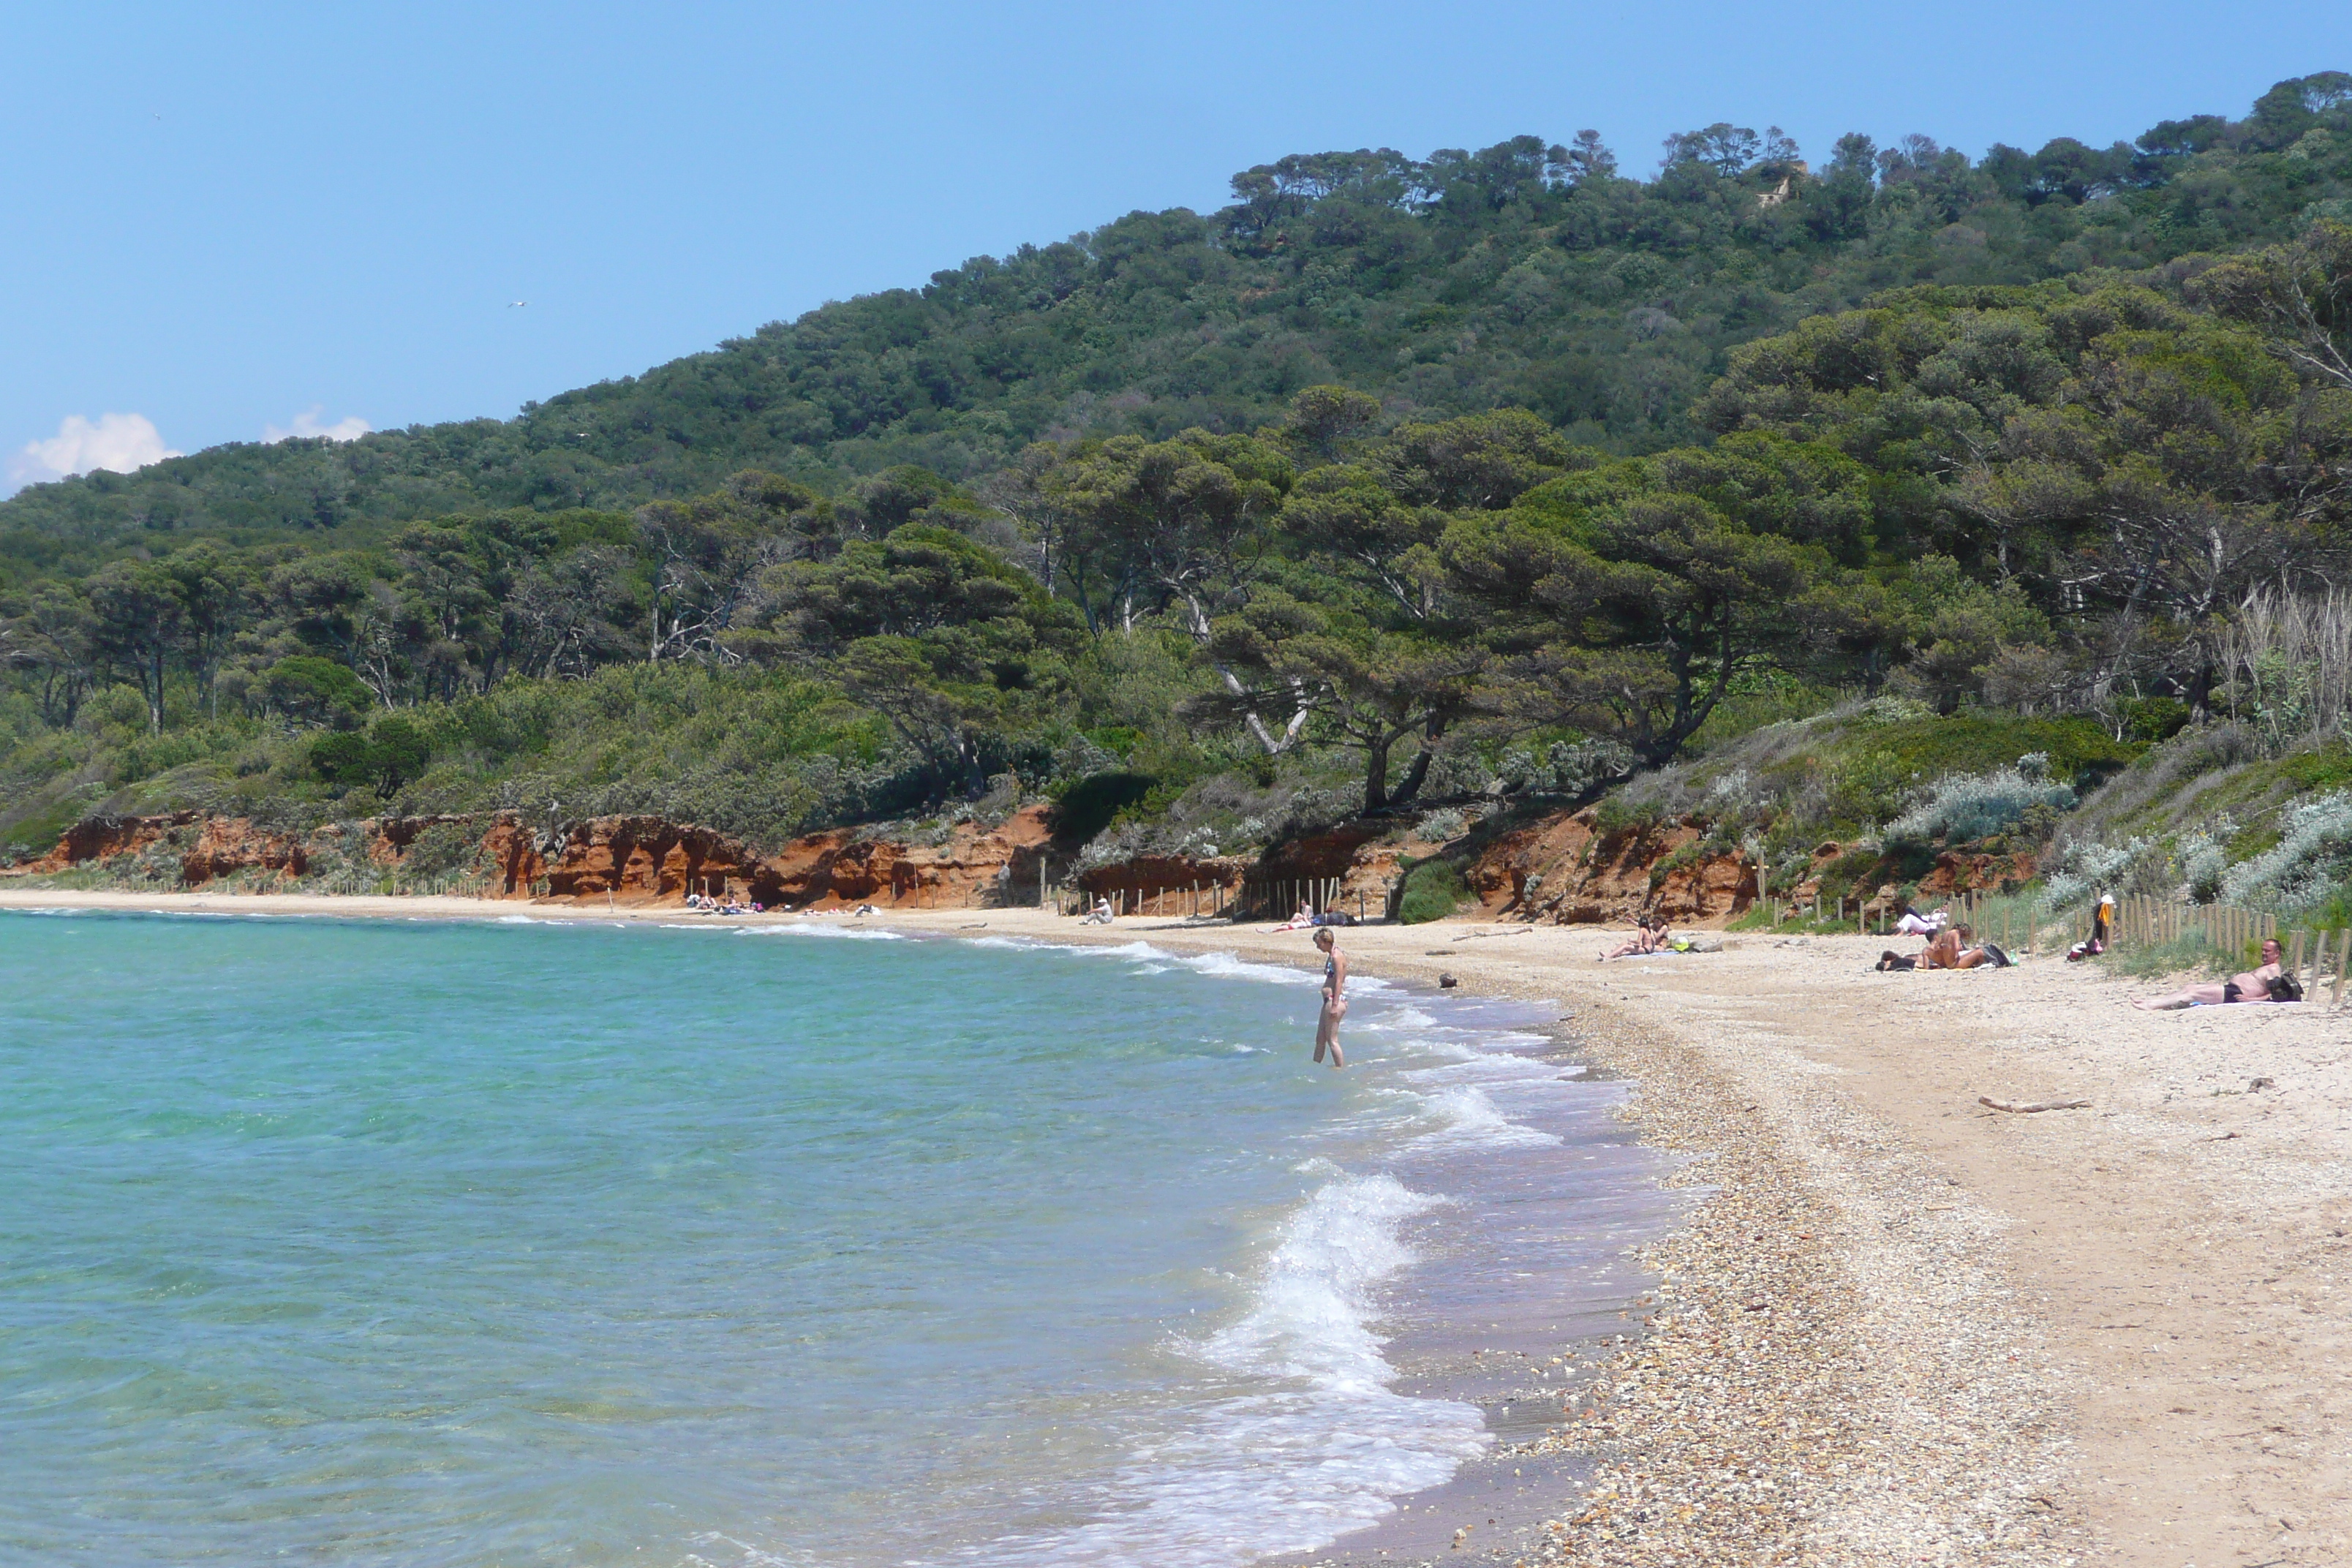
(121, 442)
(306, 427)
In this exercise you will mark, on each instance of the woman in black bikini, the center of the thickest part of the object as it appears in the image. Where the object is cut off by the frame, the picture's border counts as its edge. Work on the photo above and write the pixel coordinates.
(1335, 1001)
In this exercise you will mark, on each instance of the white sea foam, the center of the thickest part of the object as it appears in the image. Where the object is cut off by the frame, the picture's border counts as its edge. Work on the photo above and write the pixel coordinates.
(1287, 1470)
(1469, 1119)
(1398, 1020)
(1446, 1048)
(1124, 950)
(1226, 966)
(851, 933)
(1309, 1318)
(1487, 1066)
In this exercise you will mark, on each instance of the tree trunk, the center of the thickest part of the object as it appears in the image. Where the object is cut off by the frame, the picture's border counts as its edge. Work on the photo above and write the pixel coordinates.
(1410, 790)
(1376, 776)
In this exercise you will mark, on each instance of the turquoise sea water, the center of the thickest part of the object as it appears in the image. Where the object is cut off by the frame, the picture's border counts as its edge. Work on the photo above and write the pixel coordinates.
(503, 1243)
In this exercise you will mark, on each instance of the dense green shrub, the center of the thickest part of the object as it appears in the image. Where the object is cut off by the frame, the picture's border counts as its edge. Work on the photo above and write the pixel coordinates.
(2310, 862)
(1086, 807)
(1968, 808)
(393, 752)
(1432, 890)
(317, 690)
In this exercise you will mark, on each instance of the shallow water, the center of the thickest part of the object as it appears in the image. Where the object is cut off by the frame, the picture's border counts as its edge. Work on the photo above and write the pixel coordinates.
(505, 1243)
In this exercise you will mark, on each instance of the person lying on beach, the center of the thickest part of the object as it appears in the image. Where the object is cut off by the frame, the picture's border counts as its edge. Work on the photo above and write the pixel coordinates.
(1335, 998)
(1648, 937)
(1914, 923)
(2268, 983)
(1302, 921)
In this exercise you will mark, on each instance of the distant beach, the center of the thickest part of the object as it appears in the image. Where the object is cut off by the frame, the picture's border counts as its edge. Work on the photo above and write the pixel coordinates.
(1897, 1325)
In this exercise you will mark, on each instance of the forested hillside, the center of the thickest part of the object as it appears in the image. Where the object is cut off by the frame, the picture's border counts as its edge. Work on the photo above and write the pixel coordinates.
(1529, 274)
(1399, 488)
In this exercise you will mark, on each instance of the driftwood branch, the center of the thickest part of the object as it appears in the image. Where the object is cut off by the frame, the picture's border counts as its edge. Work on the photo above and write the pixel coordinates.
(2027, 1107)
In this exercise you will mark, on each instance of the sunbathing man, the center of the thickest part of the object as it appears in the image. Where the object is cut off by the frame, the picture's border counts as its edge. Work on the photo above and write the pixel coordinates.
(2269, 983)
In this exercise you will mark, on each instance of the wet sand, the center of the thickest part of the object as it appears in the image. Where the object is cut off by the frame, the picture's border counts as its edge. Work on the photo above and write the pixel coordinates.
(1898, 1327)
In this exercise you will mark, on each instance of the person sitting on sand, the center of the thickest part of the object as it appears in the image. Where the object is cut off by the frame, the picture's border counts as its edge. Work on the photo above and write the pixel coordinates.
(1954, 948)
(2268, 983)
(1335, 998)
(1100, 915)
(2102, 925)
(1648, 936)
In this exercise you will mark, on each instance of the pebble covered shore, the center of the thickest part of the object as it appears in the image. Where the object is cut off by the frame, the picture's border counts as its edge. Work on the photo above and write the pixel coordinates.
(1810, 1389)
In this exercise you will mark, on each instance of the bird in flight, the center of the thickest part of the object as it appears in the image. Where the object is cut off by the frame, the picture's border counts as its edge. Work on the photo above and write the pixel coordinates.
(517, 304)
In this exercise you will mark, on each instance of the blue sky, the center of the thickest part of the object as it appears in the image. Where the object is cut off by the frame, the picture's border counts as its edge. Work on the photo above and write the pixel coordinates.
(230, 222)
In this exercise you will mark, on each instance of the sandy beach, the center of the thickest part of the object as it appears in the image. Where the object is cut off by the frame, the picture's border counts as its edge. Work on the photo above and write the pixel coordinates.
(1899, 1327)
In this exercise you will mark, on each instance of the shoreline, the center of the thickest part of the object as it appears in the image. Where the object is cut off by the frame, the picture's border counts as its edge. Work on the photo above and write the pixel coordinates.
(1895, 1326)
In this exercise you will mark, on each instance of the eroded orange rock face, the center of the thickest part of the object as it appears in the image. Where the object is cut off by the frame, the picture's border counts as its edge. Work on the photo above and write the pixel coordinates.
(650, 859)
(510, 850)
(974, 866)
(228, 845)
(97, 837)
(1565, 870)
(640, 860)
(1955, 872)
(644, 859)
(1559, 869)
